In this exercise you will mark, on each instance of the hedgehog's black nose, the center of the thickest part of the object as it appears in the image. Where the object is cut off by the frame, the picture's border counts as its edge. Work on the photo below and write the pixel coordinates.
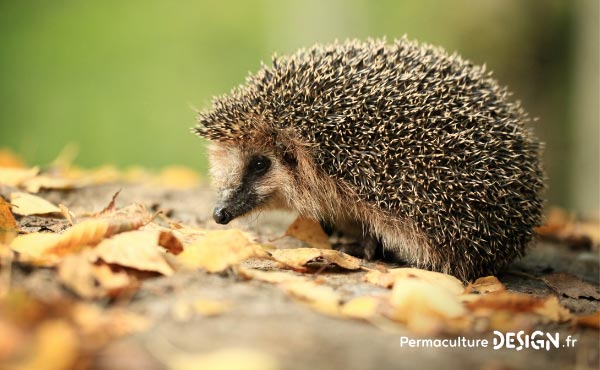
(221, 216)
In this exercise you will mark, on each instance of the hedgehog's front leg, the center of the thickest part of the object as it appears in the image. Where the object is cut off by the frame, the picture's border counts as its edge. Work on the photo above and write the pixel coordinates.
(366, 246)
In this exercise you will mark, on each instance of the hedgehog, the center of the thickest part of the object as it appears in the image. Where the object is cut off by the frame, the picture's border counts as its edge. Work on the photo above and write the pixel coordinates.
(419, 152)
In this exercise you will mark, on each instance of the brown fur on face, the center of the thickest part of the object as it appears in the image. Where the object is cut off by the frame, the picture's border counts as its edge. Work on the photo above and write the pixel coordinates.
(304, 189)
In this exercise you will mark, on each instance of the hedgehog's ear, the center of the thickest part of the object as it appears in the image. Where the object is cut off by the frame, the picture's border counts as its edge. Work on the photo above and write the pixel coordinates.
(287, 154)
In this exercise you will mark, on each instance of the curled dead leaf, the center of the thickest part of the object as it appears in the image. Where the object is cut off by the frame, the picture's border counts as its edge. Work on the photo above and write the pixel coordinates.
(310, 232)
(26, 204)
(135, 249)
(488, 284)
(297, 258)
(8, 224)
(218, 250)
(590, 321)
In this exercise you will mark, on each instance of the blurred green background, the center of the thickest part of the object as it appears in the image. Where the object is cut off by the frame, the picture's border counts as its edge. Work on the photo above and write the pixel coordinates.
(121, 79)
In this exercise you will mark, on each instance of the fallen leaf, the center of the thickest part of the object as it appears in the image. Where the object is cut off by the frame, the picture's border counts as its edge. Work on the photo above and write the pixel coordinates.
(273, 277)
(571, 286)
(35, 184)
(184, 310)
(488, 284)
(382, 279)
(135, 249)
(16, 176)
(99, 326)
(89, 278)
(320, 297)
(26, 204)
(8, 158)
(310, 232)
(549, 307)
(8, 224)
(364, 307)
(178, 177)
(46, 249)
(411, 296)
(297, 258)
(55, 347)
(225, 359)
(218, 250)
(563, 226)
(392, 276)
(590, 321)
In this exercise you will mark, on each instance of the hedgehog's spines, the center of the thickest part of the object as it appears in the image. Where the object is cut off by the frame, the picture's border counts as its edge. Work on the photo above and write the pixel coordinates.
(415, 139)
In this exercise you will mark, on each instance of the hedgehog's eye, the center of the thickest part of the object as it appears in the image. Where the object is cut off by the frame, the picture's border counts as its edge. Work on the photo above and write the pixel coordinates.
(260, 164)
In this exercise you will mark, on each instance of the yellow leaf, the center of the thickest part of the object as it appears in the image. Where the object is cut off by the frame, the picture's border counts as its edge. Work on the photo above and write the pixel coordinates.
(218, 250)
(444, 281)
(320, 297)
(178, 177)
(382, 279)
(224, 359)
(46, 249)
(488, 284)
(16, 176)
(364, 307)
(89, 279)
(184, 310)
(412, 297)
(26, 204)
(8, 224)
(297, 258)
(310, 232)
(34, 184)
(135, 249)
(273, 277)
(9, 159)
(590, 321)
(55, 347)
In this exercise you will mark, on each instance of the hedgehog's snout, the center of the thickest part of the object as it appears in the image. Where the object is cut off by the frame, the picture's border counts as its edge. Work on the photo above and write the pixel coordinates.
(221, 215)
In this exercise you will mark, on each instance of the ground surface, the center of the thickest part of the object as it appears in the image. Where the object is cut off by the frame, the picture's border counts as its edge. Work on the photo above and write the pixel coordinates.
(266, 319)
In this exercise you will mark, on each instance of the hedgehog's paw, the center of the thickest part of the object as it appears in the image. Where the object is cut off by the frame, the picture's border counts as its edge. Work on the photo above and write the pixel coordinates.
(366, 248)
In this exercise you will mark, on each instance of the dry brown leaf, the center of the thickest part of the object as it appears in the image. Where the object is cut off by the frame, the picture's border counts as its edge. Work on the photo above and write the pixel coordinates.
(310, 232)
(365, 307)
(389, 278)
(135, 249)
(273, 277)
(319, 297)
(16, 176)
(8, 158)
(341, 259)
(488, 284)
(224, 359)
(35, 184)
(571, 286)
(55, 347)
(178, 177)
(184, 310)
(297, 258)
(382, 279)
(548, 308)
(563, 226)
(91, 279)
(8, 224)
(218, 250)
(100, 326)
(188, 235)
(66, 214)
(46, 249)
(26, 204)
(590, 321)
(423, 297)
